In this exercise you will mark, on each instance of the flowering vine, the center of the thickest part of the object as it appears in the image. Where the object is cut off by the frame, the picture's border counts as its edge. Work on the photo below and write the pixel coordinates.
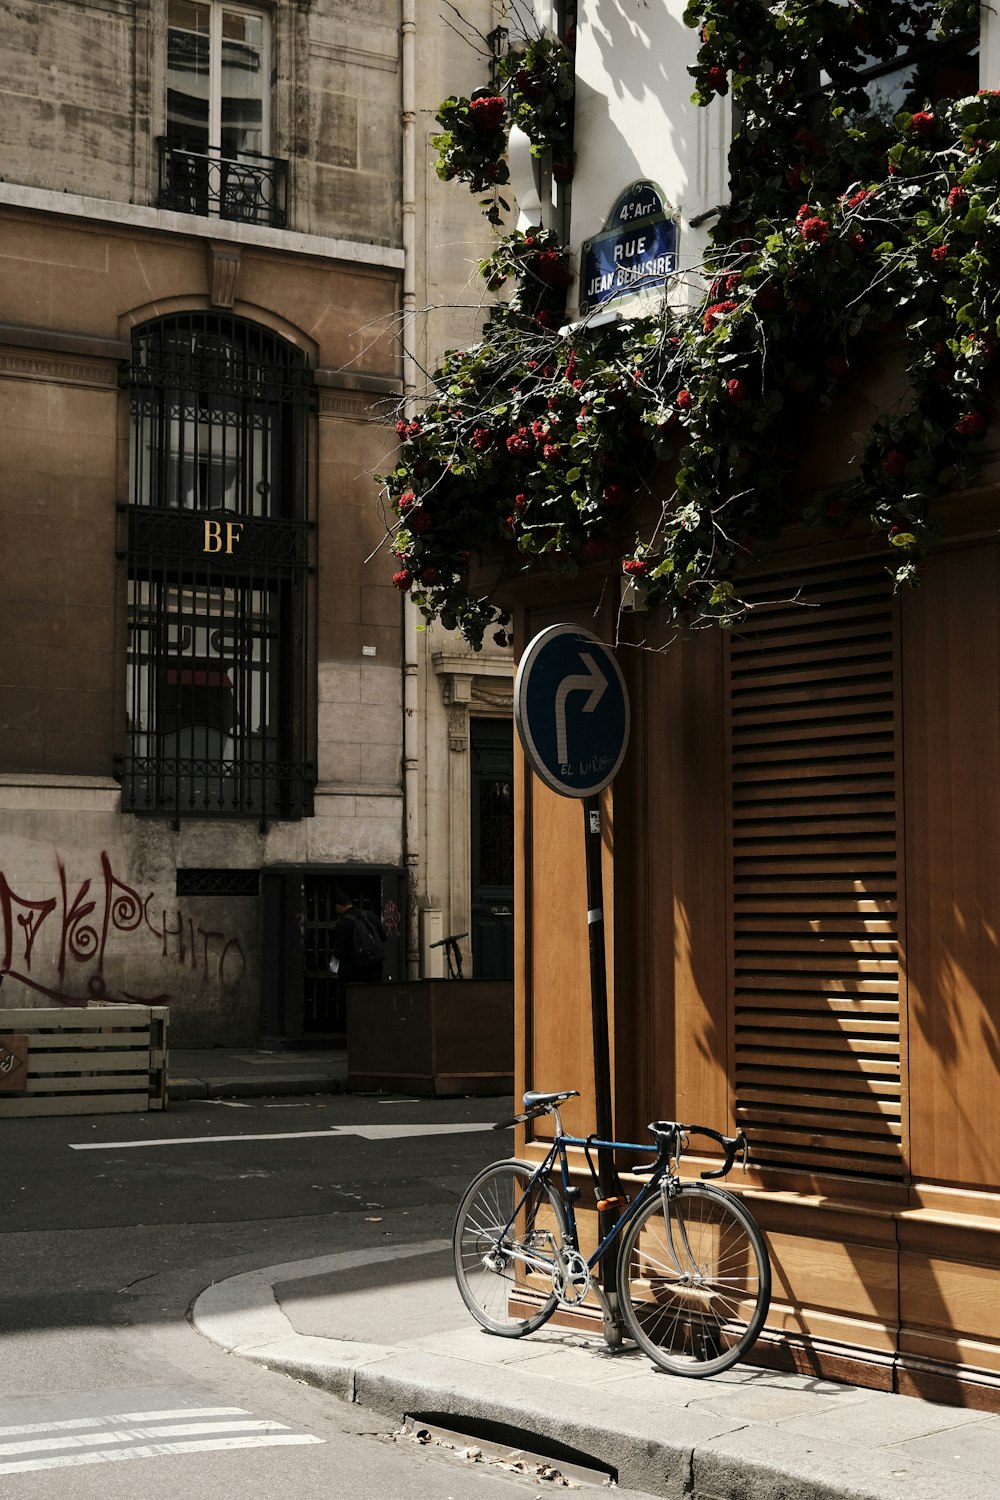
(538, 79)
(842, 225)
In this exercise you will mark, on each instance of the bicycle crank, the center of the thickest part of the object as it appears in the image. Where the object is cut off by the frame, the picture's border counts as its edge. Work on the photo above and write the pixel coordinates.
(571, 1278)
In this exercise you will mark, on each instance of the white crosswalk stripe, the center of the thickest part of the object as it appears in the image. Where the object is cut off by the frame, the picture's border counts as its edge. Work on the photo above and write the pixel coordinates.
(71, 1441)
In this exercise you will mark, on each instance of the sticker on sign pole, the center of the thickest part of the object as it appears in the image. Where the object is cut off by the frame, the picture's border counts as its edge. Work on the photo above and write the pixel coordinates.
(571, 710)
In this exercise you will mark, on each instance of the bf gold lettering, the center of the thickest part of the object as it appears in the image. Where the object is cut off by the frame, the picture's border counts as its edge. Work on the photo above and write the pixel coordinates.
(213, 536)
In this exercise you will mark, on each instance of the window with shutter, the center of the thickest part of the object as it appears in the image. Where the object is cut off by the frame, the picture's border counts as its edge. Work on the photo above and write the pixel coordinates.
(815, 968)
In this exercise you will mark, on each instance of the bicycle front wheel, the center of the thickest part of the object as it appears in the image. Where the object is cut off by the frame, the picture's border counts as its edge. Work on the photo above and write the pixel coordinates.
(505, 1232)
(694, 1280)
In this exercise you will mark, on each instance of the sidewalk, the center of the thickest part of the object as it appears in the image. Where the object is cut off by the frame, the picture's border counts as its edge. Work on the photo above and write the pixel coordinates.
(745, 1435)
(248, 1072)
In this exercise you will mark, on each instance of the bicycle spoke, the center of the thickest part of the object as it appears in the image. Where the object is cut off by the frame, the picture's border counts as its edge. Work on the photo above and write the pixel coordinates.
(694, 1280)
(503, 1224)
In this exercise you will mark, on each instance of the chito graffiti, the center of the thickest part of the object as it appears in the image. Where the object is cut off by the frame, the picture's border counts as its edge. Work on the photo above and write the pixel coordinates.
(68, 937)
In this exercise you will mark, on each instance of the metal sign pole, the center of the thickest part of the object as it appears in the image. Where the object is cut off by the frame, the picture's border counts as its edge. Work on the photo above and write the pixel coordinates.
(572, 715)
(606, 1178)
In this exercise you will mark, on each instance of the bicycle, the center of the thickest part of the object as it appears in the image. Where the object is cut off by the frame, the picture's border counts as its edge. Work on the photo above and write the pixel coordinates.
(693, 1275)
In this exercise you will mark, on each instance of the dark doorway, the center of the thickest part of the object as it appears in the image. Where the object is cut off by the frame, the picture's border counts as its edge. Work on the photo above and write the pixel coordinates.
(492, 793)
(302, 999)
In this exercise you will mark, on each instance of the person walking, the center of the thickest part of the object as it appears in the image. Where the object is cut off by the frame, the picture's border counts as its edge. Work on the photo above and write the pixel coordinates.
(358, 943)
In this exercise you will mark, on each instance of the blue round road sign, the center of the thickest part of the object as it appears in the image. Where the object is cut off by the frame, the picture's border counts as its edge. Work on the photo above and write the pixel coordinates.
(571, 710)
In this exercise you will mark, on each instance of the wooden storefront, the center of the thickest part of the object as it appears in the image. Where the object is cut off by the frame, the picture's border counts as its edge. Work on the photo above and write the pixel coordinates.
(802, 887)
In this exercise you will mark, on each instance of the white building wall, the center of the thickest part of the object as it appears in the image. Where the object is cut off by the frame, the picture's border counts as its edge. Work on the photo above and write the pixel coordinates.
(635, 120)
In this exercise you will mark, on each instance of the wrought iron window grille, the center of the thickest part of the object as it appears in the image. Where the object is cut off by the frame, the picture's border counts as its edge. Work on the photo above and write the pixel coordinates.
(218, 548)
(249, 188)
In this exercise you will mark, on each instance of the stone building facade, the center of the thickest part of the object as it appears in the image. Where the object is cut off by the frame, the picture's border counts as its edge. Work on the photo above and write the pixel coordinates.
(201, 690)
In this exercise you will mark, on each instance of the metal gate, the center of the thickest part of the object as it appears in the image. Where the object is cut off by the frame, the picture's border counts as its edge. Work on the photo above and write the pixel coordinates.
(302, 999)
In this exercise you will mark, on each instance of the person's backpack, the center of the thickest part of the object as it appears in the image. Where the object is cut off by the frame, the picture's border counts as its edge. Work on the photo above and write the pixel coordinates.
(367, 947)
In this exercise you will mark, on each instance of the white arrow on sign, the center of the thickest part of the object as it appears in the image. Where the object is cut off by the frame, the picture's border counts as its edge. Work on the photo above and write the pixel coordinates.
(593, 683)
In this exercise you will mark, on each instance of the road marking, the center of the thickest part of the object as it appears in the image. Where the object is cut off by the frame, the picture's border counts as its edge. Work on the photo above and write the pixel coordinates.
(71, 1424)
(368, 1132)
(156, 1450)
(145, 1434)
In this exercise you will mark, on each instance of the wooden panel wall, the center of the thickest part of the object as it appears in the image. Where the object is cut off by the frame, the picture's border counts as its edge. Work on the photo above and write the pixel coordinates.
(670, 884)
(951, 656)
(815, 885)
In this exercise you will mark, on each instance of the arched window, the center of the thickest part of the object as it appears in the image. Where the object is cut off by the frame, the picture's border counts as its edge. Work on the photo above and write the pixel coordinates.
(218, 543)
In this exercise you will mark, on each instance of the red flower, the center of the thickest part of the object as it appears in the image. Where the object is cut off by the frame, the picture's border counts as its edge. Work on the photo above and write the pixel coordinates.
(405, 500)
(429, 575)
(634, 566)
(553, 270)
(815, 230)
(520, 501)
(767, 299)
(970, 424)
(685, 400)
(716, 79)
(519, 441)
(414, 430)
(939, 254)
(402, 579)
(550, 450)
(894, 463)
(810, 141)
(482, 439)
(487, 113)
(716, 313)
(957, 199)
(401, 429)
(923, 122)
(736, 391)
(613, 494)
(563, 168)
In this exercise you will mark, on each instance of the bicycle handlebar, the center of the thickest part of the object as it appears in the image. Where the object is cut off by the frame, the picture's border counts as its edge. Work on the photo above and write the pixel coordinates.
(453, 938)
(668, 1132)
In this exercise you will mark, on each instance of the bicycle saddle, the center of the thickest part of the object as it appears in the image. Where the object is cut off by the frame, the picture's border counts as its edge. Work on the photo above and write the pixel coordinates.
(532, 1100)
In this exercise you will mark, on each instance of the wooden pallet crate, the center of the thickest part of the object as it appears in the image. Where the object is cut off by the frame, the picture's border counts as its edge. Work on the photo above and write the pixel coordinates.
(105, 1059)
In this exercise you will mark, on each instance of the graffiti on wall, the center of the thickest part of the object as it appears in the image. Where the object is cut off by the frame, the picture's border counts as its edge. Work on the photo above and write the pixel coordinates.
(68, 937)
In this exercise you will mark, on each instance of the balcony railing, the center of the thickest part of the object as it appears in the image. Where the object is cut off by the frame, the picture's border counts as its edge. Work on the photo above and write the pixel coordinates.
(250, 188)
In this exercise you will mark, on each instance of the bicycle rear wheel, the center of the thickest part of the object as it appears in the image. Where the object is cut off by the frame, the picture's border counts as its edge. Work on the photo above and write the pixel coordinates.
(499, 1233)
(694, 1280)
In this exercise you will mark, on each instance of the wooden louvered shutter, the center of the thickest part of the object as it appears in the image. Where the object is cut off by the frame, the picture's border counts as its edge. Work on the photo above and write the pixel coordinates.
(814, 868)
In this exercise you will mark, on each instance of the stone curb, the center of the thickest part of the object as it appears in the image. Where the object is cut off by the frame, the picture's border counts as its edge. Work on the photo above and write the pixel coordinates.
(676, 1449)
(254, 1088)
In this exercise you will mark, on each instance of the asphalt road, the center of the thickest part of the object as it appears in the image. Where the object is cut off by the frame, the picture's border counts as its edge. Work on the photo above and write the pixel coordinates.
(110, 1227)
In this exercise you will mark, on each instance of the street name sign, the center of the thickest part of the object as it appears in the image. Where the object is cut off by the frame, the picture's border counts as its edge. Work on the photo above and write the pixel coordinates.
(637, 248)
(571, 709)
